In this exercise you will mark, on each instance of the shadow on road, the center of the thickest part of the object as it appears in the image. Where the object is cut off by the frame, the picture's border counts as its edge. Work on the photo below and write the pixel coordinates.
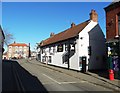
(30, 83)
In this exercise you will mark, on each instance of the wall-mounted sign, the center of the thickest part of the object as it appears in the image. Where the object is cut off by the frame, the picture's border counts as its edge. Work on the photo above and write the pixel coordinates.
(60, 48)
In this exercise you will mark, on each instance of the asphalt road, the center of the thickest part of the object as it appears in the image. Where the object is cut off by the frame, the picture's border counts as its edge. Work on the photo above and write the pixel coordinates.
(53, 80)
(16, 79)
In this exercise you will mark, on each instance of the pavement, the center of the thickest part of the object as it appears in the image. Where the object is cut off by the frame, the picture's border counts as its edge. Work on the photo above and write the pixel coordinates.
(91, 77)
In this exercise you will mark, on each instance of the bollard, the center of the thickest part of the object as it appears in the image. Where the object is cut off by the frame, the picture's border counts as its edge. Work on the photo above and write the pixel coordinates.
(111, 74)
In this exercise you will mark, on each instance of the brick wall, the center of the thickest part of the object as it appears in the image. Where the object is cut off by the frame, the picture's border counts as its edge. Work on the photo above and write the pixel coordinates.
(112, 23)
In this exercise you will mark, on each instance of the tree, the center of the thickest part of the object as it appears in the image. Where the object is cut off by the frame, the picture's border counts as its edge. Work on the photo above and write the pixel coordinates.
(8, 37)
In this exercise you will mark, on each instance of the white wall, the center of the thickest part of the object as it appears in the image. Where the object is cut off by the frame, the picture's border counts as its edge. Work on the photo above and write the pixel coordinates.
(84, 40)
(87, 37)
(58, 57)
(74, 60)
(93, 36)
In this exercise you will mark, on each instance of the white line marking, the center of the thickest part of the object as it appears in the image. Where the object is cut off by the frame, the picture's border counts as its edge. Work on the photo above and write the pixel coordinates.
(67, 82)
(51, 79)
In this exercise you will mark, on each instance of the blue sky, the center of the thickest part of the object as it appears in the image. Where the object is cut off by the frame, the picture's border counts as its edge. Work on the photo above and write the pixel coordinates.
(32, 22)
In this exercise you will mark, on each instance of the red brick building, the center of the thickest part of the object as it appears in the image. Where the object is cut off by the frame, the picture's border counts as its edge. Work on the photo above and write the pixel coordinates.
(113, 32)
(112, 20)
(113, 25)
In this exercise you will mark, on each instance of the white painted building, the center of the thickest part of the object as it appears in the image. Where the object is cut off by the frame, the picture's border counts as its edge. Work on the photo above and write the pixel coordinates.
(66, 49)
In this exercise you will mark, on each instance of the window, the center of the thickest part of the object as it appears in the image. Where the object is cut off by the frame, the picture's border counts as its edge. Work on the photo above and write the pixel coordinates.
(16, 52)
(20, 47)
(66, 47)
(10, 50)
(50, 50)
(16, 47)
(72, 47)
(10, 46)
(60, 48)
(49, 59)
(43, 51)
(119, 23)
(89, 50)
(24, 49)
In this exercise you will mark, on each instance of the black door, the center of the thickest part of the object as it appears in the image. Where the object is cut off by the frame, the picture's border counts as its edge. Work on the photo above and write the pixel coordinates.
(84, 64)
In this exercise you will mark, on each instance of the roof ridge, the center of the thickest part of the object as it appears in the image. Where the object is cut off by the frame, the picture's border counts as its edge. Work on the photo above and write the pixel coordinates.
(66, 34)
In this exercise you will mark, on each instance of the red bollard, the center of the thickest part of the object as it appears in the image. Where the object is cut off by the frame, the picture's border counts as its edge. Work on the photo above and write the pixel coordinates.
(111, 74)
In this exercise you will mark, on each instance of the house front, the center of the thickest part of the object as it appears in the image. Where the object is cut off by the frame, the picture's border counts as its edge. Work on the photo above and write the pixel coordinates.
(18, 50)
(80, 47)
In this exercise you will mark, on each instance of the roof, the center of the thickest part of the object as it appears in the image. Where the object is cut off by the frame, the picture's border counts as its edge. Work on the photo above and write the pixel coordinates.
(114, 4)
(18, 44)
(67, 34)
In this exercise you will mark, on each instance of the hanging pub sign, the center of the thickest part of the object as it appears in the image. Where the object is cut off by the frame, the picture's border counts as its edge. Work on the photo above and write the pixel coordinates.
(60, 48)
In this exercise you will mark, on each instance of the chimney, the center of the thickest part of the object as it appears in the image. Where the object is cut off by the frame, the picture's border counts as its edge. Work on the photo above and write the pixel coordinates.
(14, 42)
(94, 16)
(52, 34)
(72, 25)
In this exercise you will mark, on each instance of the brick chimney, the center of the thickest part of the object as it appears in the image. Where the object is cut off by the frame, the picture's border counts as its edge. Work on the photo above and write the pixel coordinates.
(72, 25)
(94, 16)
(52, 34)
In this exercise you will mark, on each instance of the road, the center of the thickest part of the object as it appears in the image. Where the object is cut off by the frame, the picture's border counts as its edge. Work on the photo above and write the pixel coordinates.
(55, 81)
(16, 79)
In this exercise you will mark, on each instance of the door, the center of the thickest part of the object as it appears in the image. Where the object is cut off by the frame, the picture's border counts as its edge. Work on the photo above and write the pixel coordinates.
(84, 64)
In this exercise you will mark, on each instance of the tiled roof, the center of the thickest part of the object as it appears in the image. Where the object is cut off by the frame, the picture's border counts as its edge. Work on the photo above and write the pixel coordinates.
(67, 34)
(18, 44)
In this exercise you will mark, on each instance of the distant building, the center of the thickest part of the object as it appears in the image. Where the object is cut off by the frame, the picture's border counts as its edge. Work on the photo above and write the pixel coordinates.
(18, 50)
(33, 54)
(79, 47)
(2, 37)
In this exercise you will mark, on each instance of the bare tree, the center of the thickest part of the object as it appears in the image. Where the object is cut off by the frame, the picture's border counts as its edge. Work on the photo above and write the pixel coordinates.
(8, 37)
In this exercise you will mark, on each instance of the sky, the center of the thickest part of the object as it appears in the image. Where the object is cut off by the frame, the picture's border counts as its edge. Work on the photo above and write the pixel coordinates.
(31, 22)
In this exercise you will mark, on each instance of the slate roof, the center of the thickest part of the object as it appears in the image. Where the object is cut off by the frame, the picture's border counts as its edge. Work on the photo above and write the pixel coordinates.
(67, 34)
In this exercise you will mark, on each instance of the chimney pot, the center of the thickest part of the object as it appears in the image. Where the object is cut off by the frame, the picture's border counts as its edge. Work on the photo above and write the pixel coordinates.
(72, 25)
(52, 34)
